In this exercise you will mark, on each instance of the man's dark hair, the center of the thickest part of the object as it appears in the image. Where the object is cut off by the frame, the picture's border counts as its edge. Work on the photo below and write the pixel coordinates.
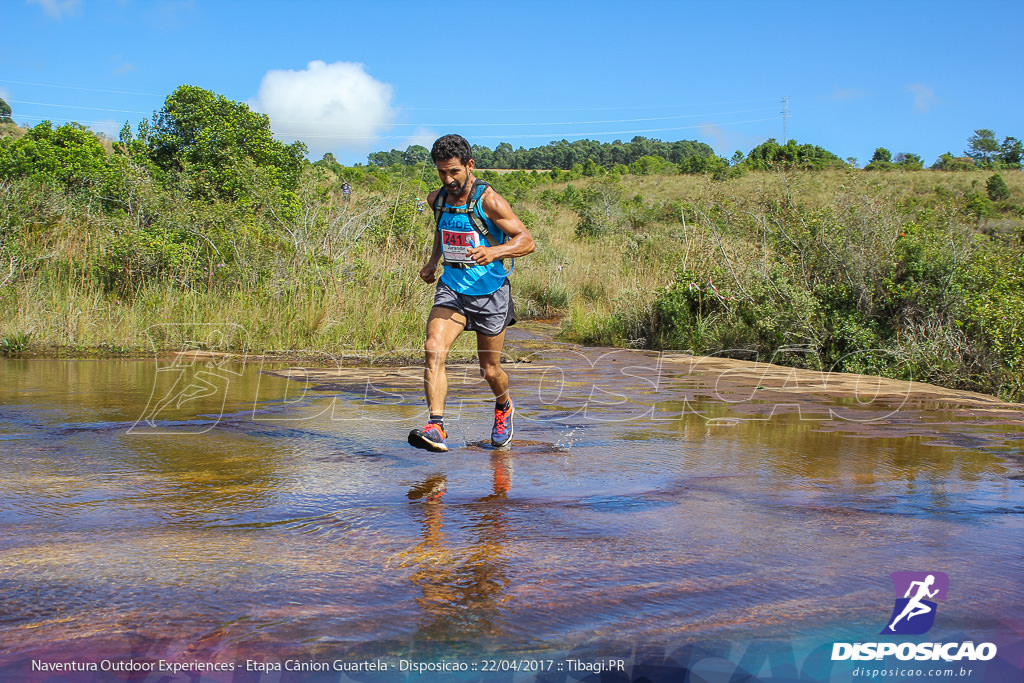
(451, 146)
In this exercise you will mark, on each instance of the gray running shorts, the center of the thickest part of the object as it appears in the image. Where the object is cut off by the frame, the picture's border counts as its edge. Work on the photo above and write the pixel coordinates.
(487, 314)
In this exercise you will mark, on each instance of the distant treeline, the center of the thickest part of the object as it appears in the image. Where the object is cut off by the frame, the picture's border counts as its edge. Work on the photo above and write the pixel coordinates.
(689, 156)
(562, 154)
(640, 155)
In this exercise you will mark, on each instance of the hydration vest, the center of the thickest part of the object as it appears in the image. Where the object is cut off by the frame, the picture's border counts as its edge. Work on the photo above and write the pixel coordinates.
(475, 220)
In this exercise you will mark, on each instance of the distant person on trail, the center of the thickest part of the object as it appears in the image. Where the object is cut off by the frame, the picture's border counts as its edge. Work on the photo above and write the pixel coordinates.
(478, 235)
(346, 191)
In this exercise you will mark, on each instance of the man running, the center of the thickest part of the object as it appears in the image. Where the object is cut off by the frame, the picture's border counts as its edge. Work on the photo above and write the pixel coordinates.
(477, 234)
(915, 607)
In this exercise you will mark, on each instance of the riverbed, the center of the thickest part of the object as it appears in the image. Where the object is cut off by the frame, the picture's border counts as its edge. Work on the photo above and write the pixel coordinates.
(213, 508)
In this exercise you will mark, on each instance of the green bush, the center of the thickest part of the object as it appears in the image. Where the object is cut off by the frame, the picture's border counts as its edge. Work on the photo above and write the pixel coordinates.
(600, 209)
(134, 257)
(70, 156)
(996, 188)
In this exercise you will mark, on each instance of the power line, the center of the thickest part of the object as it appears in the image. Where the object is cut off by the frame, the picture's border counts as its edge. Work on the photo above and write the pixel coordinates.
(550, 109)
(548, 135)
(75, 106)
(403, 108)
(434, 124)
(76, 87)
(300, 136)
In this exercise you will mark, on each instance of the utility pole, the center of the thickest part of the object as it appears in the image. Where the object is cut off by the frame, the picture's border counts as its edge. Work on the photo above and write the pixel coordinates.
(785, 119)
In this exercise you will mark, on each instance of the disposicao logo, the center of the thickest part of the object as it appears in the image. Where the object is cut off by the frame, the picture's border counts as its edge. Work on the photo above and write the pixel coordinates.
(915, 607)
(913, 613)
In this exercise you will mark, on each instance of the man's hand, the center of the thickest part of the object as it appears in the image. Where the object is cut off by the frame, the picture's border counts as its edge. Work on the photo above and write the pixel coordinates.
(428, 273)
(480, 255)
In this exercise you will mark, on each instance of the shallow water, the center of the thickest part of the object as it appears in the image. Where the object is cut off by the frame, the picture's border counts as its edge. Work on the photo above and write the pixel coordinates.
(202, 508)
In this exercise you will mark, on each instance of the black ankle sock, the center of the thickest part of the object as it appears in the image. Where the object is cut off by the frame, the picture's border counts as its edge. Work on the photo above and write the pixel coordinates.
(438, 420)
(503, 406)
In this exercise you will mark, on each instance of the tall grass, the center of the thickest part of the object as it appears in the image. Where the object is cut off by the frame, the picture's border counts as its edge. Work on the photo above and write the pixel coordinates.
(331, 277)
(920, 264)
(915, 275)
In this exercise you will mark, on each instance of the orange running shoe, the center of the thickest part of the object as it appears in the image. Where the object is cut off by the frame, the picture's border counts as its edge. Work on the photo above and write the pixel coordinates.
(501, 433)
(431, 437)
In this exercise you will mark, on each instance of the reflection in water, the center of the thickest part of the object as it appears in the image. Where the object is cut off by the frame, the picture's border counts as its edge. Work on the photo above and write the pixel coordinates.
(463, 585)
(142, 513)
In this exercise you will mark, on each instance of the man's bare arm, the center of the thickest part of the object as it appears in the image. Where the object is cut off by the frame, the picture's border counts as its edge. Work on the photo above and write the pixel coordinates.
(519, 242)
(428, 272)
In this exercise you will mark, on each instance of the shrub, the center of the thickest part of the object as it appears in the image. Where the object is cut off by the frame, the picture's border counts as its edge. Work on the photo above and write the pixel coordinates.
(997, 189)
(69, 155)
(600, 209)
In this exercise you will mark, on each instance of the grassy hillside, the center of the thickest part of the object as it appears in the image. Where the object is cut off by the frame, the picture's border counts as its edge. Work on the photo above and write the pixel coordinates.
(915, 275)
(919, 268)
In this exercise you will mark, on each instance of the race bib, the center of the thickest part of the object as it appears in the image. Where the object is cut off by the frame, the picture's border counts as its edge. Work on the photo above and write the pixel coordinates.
(455, 244)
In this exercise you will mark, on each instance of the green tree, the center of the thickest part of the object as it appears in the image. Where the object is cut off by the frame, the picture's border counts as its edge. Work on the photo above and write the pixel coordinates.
(909, 161)
(881, 160)
(1011, 152)
(128, 145)
(982, 147)
(415, 154)
(482, 157)
(5, 112)
(771, 155)
(948, 162)
(996, 188)
(70, 155)
(503, 156)
(385, 159)
(216, 146)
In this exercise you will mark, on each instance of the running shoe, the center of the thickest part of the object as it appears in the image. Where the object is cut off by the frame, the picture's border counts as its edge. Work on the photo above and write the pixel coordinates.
(432, 438)
(501, 433)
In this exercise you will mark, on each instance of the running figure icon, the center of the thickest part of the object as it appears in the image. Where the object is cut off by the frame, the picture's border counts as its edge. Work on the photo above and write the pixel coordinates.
(915, 607)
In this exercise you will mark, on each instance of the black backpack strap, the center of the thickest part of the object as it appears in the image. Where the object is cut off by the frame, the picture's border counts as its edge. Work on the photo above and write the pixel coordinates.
(442, 194)
(479, 221)
(476, 219)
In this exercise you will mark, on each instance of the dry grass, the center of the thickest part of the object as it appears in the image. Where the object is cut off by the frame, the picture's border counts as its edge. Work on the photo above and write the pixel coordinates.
(366, 293)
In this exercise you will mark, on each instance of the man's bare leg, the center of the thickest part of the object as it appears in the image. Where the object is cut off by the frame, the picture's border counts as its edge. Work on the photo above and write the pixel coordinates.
(443, 326)
(489, 350)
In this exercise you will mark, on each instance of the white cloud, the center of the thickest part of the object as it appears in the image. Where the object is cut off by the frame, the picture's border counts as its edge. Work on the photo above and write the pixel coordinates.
(924, 97)
(57, 9)
(421, 136)
(327, 106)
(716, 133)
(725, 141)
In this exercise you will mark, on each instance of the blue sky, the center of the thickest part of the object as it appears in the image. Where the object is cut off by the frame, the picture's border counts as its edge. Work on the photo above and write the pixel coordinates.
(351, 78)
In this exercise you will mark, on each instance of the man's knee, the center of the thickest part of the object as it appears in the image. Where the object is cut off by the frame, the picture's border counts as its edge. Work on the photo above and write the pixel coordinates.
(435, 349)
(491, 370)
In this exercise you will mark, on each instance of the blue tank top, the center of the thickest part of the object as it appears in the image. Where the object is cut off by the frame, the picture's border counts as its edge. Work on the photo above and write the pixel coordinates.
(457, 236)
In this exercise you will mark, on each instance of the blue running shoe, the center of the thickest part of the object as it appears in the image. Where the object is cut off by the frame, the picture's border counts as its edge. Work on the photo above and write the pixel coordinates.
(431, 437)
(501, 433)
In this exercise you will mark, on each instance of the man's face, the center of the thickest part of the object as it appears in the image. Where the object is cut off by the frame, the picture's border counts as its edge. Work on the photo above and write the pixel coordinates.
(454, 176)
